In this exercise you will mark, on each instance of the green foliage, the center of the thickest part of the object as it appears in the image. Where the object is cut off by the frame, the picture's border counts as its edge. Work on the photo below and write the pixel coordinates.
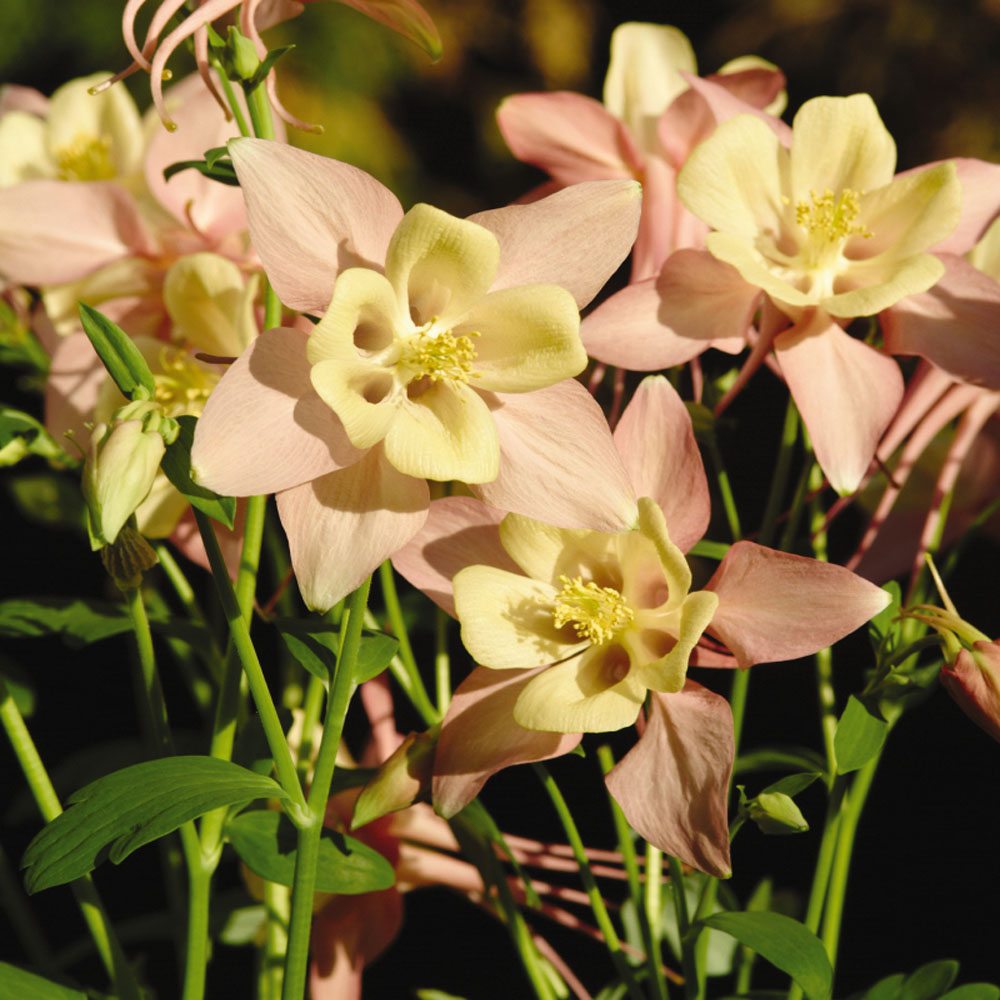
(176, 466)
(266, 842)
(17, 984)
(51, 500)
(22, 435)
(123, 360)
(216, 165)
(315, 644)
(930, 982)
(111, 817)
(859, 737)
(785, 943)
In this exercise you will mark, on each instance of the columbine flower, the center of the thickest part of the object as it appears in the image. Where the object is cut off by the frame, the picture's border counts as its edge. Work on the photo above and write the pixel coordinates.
(444, 352)
(823, 223)
(576, 628)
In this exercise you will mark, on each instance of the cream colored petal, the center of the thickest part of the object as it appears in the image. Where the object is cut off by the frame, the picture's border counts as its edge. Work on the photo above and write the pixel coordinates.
(445, 433)
(912, 214)
(361, 394)
(583, 695)
(644, 75)
(439, 264)
(364, 312)
(985, 255)
(545, 552)
(506, 619)
(205, 297)
(735, 179)
(111, 116)
(23, 153)
(653, 525)
(528, 338)
(158, 514)
(837, 143)
(883, 286)
(668, 674)
(755, 269)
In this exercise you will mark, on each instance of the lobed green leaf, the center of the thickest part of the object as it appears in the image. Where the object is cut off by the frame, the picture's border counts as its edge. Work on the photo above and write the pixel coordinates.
(859, 736)
(176, 465)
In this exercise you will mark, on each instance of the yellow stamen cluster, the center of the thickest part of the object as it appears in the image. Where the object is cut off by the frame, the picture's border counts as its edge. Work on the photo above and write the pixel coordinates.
(596, 613)
(832, 217)
(182, 387)
(86, 158)
(439, 354)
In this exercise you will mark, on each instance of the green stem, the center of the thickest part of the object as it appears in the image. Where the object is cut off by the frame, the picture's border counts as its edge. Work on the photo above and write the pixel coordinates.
(692, 986)
(122, 977)
(240, 634)
(411, 682)
(22, 918)
(779, 483)
(342, 687)
(442, 662)
(234, 104)
(153, 706)
(589, 884)
(725, 489)
(647, 906)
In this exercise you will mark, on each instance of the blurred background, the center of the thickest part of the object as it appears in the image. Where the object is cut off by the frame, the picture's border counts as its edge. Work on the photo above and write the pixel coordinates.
(926, 867)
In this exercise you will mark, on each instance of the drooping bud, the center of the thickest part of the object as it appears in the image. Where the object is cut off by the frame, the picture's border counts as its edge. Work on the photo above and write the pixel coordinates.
(973, 681)
(123, 459)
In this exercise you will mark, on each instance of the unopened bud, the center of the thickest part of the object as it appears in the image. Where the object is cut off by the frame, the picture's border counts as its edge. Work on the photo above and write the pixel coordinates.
(123, 460)
(776, 813)
(400, 781)
(242, 54)
(973, 681)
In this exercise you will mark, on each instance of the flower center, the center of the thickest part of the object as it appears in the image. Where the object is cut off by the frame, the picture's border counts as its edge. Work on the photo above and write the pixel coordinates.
(86, 158)
(831, 218)
(437, 354)
(182, 387)
(596, 613)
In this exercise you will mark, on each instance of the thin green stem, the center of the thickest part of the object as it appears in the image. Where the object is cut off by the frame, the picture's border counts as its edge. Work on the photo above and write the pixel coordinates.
(442, 661)
(234, 104)
(648, 904)
(152, 704)
(283, 762)
(779, 482)
(21, 917)
(342, 687)
(109, 949)
(597, 906)
(411, 683)
(692, 987)
(394, 612)
(725, 489)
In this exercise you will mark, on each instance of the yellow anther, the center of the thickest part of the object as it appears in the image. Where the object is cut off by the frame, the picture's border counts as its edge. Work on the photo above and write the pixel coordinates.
(86, 158)
(439, 354)
(832, 217)
(596, 613)
(182, 387)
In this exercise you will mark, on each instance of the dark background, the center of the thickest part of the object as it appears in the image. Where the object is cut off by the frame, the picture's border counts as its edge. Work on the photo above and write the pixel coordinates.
(926, 872)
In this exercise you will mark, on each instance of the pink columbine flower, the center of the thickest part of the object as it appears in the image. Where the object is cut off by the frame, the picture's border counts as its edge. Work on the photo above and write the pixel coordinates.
(405, 16)
(576, 629)
(444, 351)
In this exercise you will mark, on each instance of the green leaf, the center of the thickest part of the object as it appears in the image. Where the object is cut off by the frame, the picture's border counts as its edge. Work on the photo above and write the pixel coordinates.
(111, 817)
(885, 989)
(859, 736)
(218, 169)
(16, 984)
(77, 620)
(780, 758)
(18, 686)
(315, 643)
(52, 500)
(266, 66)
(266, 841)
(973, 991)
(785, 943)
(22, 435)
(929, 981)
(792, 784)
(176, 465)
(121, 357)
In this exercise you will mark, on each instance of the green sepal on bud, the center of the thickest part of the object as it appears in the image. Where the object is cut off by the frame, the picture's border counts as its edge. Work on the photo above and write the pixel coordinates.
(122, 463)
(403, 779)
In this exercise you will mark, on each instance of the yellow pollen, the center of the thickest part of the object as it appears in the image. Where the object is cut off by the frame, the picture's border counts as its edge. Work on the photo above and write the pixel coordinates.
(832, 217)
(182, 387)
(439, 355)
(86, 158)
(596, 613)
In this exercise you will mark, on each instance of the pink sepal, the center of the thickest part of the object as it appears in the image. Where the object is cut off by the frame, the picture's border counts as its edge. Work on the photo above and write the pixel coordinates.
(673, 784)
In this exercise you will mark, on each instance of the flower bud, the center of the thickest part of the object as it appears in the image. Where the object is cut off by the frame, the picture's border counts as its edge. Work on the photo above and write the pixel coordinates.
(400, 781)
(973, 681)
(124, 457)
(776, 813)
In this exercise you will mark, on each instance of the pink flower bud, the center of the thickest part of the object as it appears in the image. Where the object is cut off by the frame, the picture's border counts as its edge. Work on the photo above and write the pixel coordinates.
(973, 680)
